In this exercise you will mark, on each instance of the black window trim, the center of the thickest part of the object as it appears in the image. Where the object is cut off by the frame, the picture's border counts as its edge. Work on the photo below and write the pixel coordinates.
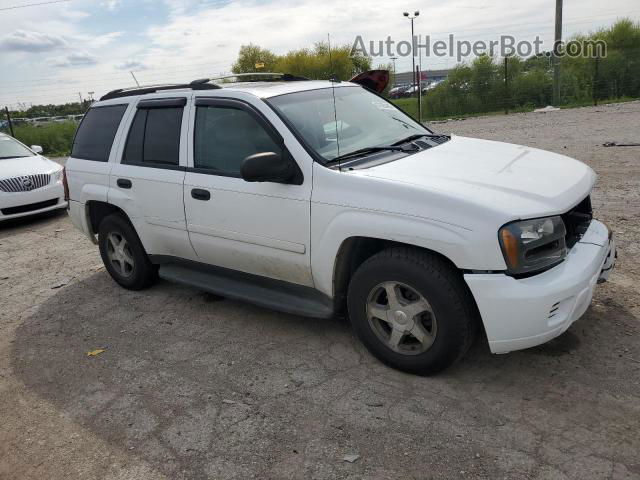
(263, 121)
(162, 102)
(164, 166)
(126, 105)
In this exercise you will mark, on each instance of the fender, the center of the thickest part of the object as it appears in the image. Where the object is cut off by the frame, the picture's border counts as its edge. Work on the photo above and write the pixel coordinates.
(448, 240)
(122, 200)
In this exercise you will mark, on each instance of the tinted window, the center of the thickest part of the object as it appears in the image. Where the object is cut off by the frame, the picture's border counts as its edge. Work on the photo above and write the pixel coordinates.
(154, 136)
(96, 133)
(225, 136)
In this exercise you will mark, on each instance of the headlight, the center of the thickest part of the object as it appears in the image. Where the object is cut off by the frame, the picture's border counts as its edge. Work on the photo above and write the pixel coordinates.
(57, 176)
(533, 245)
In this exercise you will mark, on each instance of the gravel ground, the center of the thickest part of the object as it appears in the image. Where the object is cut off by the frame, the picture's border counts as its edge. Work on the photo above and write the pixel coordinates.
(193, 386)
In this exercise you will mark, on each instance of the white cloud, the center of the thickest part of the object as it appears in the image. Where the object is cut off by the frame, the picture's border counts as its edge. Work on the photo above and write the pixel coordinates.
(30, 41)
(111, 5)
(76, 59)
(102, 40)
(179, 40)
(131, 65)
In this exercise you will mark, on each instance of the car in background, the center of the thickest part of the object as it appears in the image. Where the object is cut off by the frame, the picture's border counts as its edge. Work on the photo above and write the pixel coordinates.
(396, 92)
(410, 91)
(431, 85)
(29, 182)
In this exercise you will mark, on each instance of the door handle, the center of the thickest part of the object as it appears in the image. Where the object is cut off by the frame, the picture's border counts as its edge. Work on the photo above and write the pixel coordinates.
(200, 194)
(124, 183)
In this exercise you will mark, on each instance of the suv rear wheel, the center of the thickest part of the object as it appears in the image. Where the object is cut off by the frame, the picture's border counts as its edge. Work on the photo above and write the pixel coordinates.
(412, 310)
(123, 254)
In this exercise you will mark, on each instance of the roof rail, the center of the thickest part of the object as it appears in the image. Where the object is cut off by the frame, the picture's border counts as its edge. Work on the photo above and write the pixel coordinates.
(144, 89)
(255, 77)
(203, 84)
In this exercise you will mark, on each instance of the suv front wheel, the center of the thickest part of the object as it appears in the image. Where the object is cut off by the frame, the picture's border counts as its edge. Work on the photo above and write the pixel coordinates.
(123, 254)
(412, 310)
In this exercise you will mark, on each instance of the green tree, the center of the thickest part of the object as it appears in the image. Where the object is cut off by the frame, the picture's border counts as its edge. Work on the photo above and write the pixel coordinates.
(316, 62)
(250, 55)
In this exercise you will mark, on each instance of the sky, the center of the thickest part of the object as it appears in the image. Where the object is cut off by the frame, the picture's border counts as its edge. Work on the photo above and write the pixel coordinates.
(58, 51)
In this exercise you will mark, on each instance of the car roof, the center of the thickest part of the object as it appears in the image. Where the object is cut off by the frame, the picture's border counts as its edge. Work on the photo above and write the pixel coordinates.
(273, 89)
(264, 89)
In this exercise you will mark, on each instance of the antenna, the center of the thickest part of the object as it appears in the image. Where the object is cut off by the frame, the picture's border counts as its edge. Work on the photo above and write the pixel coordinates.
(331, 75)
(134, 77)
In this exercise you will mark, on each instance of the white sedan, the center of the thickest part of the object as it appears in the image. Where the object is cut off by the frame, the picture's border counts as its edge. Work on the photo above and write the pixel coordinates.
(29, 182)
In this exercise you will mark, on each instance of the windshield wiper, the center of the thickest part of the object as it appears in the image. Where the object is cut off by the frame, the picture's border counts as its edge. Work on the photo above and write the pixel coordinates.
(367, 150)
(14, 156)
(410, 138)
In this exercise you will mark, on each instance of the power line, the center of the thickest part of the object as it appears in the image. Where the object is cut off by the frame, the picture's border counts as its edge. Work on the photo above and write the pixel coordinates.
(33, 4)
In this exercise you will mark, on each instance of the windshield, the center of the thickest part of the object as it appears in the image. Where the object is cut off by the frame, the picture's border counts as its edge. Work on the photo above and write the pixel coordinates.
(10, 148)
(359, 120)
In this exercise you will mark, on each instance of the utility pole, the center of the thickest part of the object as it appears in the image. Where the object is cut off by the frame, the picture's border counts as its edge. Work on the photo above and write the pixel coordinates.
(596, 81)
(6, 110)
(393, 59)
(419, 95)
(506, 85)
(80, 95)
(556, 54)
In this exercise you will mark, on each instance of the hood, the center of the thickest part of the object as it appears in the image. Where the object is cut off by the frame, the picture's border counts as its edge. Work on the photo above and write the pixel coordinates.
(517, 180)
(15, 167)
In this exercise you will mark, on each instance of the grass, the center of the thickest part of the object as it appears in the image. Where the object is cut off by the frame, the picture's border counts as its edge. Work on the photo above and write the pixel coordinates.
(54, 138)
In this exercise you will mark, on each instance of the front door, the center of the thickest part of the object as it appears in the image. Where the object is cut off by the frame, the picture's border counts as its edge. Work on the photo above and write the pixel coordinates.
(260, 228)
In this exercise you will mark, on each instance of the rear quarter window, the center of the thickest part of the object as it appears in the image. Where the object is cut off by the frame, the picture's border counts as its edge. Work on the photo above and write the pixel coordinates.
(96, 133)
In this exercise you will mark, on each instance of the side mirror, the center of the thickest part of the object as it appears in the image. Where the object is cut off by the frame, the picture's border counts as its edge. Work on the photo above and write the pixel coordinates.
(36, 148)
(266, 167)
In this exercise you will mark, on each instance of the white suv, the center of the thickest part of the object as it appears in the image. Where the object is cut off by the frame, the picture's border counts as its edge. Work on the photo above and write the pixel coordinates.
(320, 198)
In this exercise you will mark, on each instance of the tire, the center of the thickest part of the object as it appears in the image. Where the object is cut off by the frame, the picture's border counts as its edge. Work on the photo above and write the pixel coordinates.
(435, 319)
(127, 264)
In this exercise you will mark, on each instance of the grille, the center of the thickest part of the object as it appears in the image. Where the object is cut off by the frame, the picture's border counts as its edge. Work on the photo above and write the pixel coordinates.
(577, 221)
(25, 183)
(29, 208)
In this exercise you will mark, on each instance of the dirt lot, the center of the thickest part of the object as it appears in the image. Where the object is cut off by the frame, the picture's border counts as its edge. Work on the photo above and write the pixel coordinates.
(191, 386)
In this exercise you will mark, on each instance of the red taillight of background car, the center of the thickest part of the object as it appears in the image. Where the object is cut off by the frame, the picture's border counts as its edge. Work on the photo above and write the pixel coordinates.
(65, 185)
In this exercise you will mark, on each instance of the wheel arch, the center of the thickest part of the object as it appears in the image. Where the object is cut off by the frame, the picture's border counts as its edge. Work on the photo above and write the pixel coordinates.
(354, 251)
(98, 210)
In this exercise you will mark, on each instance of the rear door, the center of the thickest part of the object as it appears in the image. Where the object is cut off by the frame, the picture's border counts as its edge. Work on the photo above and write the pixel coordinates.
(261, 228)
(93, 151)
(147, 183)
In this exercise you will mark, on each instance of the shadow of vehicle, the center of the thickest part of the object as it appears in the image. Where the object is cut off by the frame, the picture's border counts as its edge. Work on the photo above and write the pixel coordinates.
(37, 219)
(221, 389)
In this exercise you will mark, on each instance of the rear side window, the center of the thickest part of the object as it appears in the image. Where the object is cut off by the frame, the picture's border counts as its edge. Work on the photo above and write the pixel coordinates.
(154, 137)
(96, 133)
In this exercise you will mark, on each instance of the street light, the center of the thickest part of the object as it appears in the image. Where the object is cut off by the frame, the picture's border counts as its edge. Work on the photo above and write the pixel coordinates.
(393, 59)
(413, 53)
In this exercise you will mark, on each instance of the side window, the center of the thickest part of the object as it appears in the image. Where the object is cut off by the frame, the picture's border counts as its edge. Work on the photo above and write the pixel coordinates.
(154, 137)
(225, 136)
(96, 133)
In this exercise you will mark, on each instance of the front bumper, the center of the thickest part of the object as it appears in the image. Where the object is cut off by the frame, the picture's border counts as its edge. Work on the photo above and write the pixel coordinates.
(21, 204)
(523, 313)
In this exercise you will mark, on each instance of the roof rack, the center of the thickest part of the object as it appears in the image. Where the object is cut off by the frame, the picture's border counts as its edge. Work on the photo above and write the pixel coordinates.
(144, 89)
(203, 84)
(256, 77)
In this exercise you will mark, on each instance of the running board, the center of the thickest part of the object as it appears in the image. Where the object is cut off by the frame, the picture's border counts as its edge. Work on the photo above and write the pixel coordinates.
(261, 291)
